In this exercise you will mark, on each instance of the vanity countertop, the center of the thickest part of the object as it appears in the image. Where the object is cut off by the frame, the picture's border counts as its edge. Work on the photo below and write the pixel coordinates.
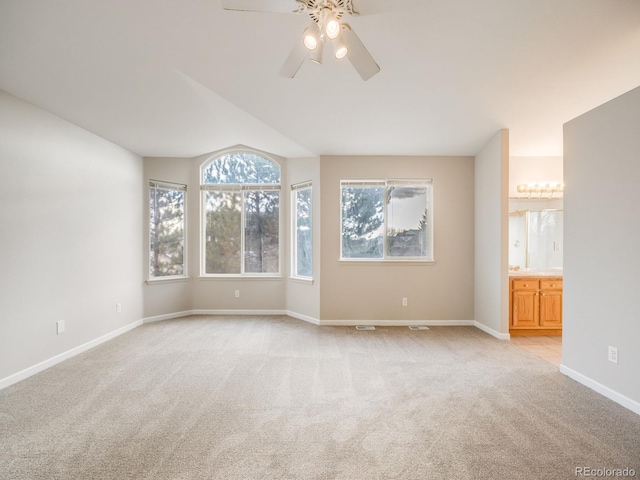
(535, 273)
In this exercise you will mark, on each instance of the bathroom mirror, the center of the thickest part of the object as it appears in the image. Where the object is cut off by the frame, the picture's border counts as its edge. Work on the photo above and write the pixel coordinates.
(535, 234)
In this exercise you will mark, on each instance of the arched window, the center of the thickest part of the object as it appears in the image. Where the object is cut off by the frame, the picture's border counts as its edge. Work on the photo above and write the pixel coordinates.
(241, 215)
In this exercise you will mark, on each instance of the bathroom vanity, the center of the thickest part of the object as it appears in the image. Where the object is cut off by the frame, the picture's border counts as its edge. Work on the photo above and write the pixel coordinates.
(535, 266)
(535, 304)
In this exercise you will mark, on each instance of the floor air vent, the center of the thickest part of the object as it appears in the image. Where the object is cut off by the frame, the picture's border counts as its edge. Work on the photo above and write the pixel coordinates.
(365, 327)
(418, 327)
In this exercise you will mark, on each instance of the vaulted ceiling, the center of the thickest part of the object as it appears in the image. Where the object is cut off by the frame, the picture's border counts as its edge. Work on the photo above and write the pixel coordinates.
(185, 77)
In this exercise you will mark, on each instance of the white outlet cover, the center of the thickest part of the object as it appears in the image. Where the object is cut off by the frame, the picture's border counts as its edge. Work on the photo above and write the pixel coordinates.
(613, 354)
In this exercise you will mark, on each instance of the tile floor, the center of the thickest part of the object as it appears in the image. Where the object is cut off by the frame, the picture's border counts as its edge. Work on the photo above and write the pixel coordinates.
(548, 348)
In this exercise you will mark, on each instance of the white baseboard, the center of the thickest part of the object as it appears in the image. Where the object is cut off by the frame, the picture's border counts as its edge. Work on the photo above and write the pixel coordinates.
(186, 313)
(315, 321)
(601, 389)
(491, 331)
(39, 367)
(304, 318)
(238, 312)
(168, 316)
(397, 323)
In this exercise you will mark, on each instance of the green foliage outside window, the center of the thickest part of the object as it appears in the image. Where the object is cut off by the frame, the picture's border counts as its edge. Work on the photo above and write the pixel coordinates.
(386, 219)
(166, 231)
(242, 215)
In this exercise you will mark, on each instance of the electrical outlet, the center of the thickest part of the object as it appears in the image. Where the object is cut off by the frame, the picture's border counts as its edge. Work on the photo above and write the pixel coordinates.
(405, 301)
(118, 307)
(613, 354)
(237, 293)
(59, 327)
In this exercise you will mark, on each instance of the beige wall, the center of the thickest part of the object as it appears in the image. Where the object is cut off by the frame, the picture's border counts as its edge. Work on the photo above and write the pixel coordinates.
(443, 291)
(71, 243)
(492, 236)
(173, 297)
(256, 295)
(602, 259)
(373, 291)
(198, 294)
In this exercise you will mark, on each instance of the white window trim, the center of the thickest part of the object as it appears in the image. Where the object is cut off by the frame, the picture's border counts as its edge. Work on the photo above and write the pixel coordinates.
(303, 280)
(237, 187)
(308, 185)
(168, 278)
(236, 276)
(386, 260)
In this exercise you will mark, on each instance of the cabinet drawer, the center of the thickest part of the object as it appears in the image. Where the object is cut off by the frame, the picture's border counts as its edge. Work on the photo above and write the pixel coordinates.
(525, 284)
(551, 284)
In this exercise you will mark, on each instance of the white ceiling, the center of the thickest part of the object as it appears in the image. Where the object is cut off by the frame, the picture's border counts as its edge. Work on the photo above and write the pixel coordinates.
(185, 77)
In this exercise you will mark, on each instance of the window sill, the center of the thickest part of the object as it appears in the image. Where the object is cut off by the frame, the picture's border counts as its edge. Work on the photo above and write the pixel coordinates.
(305, 281)
(156, 281)
(368, 261)
(239, 277)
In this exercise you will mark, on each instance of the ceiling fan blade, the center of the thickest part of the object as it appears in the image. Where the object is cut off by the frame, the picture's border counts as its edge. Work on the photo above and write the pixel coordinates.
(358, 55)
(369, 7)
(275, 6)
(294, 61)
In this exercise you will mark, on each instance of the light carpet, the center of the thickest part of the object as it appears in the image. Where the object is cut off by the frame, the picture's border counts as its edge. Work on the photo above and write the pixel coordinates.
(275, 398)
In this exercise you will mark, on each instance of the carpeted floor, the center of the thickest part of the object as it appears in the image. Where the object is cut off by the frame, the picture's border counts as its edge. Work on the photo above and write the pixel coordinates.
(276, 398)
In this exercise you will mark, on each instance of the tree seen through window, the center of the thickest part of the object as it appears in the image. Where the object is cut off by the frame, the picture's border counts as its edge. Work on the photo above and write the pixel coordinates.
(241, 195)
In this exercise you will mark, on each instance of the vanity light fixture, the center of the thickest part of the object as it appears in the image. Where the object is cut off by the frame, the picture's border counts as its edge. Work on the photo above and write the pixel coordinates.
(542, 190)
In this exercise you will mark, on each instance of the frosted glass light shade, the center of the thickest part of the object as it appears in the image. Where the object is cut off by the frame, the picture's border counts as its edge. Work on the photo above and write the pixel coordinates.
(340, 49)
(332, 29)
(310, 39)
(316, 54)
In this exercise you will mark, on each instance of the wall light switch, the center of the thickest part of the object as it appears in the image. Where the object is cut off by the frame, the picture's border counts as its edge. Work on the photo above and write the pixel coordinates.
(60, 327)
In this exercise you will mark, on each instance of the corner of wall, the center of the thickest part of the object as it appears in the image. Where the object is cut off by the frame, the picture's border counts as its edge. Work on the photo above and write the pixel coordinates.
(491, 305)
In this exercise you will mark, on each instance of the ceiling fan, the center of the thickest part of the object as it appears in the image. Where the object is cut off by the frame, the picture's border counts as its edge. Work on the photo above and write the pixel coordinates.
(327, 25)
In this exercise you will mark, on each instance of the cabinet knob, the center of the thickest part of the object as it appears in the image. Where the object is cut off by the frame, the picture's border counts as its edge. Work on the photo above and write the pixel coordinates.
(526, 284)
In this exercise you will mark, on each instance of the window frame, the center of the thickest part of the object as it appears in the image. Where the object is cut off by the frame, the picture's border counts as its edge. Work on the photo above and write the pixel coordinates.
(237, 188)
(163, 185)
(429, 258)
(295, 188)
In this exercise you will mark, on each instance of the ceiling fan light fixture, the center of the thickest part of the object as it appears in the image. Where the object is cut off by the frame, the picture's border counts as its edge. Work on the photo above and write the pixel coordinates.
(316, 54)
(310, 38)
(332, 27)
(328, 22)
(340, 50)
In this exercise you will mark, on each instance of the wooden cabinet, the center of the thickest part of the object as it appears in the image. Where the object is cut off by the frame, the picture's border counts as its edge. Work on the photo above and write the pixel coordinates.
(535, 306)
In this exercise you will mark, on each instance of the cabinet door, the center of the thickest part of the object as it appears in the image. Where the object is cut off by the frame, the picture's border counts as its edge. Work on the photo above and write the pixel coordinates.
(524, 309)
(551, 308)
